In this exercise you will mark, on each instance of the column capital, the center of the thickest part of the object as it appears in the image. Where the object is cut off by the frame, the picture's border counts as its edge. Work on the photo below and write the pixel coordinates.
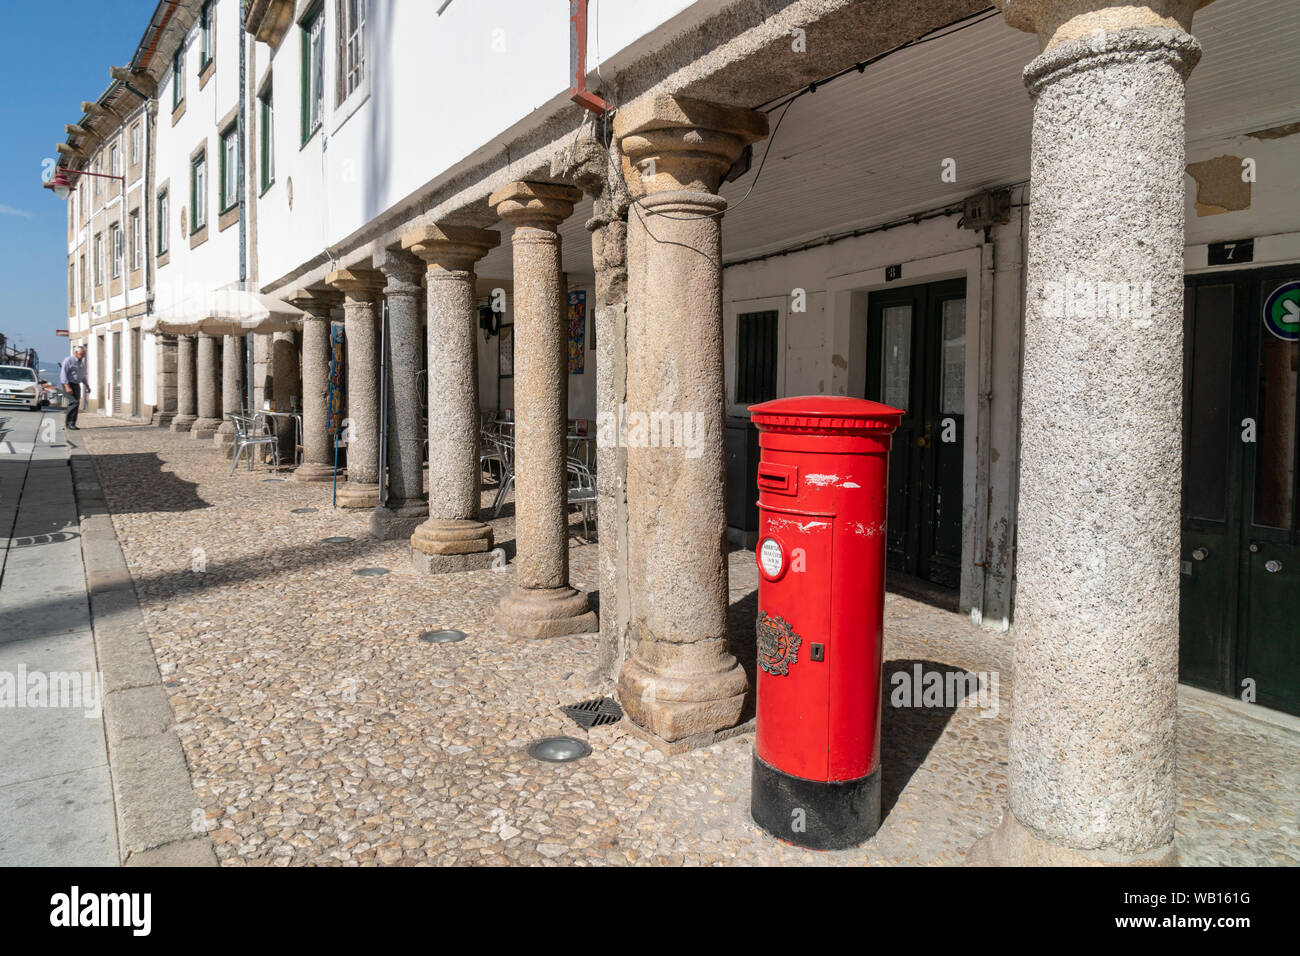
(317, 303)
(357, 285)
(673, 143)
(450, 248)
(401, 269)
(1060, 21)
(535, 205)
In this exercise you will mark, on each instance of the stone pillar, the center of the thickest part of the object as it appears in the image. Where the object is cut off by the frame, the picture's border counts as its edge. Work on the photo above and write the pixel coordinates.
(263, 377)
(361, 289)
(165, 400)
(405, 506)
(232, 391)
(208, 379)
(541, 604)
(284, 392)
(317, 442)
(1094, 695)
(186, 385)
(680, 683)
(453, 538)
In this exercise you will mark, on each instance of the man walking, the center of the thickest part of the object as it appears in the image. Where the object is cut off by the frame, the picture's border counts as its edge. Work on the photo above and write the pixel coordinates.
(72, 375)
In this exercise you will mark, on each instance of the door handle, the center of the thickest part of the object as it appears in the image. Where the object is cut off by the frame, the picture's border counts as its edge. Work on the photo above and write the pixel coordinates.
(922, 441)
(1273, 566)
(1200, 554)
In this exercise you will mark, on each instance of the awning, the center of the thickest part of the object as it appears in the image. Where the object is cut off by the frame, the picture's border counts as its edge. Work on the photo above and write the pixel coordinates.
(225, 312)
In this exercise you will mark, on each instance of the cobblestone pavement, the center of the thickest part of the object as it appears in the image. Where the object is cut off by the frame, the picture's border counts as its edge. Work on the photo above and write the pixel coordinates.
(319, 729)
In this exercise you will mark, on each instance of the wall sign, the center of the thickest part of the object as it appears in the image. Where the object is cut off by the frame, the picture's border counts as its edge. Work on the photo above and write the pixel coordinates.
(1231, 253)
(893, 272)
(1282, 311)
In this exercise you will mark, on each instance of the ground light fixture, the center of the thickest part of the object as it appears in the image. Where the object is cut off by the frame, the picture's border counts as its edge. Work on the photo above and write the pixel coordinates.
(303, 511)
(443, 636)
(559, 749)
(337, 539)
(370, 572)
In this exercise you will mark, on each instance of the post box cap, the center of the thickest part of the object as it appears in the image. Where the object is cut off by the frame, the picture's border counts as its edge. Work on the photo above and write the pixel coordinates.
(825, 414)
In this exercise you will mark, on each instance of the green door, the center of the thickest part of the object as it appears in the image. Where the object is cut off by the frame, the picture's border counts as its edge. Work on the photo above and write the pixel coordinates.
(1240, 601)
(916, 361)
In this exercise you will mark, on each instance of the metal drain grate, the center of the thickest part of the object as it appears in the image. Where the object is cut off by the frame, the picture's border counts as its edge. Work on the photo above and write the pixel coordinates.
(595, 713)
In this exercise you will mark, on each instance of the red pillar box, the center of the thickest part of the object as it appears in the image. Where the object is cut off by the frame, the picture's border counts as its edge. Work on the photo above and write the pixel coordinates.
(821, 563)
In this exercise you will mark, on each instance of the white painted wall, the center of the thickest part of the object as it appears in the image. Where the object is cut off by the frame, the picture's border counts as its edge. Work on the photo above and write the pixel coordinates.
(215, 263)
(440, 89)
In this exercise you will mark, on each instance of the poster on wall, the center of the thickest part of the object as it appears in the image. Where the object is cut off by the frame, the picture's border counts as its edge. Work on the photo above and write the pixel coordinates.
(577, 331)
(337, 378)
(506, 356)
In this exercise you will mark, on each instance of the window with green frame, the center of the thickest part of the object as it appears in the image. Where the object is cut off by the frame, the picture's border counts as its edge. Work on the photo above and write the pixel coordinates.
(205, 34)
(313, 71)
(228, 193)
(164, 222)
(266, 139)
(199, 192)
(178, 76)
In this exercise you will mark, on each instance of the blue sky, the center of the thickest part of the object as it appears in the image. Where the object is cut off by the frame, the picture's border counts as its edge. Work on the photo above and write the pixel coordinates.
(52, 56)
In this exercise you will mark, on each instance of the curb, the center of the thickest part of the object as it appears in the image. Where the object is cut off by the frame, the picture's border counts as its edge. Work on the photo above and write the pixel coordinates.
(153, 794)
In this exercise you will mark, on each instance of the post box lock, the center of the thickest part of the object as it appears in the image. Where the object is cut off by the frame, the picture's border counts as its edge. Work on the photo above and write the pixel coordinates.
(817, 652)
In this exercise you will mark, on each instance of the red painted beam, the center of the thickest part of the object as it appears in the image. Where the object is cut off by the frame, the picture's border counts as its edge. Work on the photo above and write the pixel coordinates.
(578, 91)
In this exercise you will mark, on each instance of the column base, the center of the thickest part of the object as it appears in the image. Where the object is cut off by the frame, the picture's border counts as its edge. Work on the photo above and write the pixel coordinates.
(546, 612)
(224, 440)
(836, 814)
(163, 419)
(204, 427)
(443, 545)
(183, 423)
(358, 494)
(388, 524)
(313, 471)
(1013, 844)
(677, 705)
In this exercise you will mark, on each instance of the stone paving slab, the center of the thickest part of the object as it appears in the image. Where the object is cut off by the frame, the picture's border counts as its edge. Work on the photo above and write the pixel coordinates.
(320, 730)
(56, 804)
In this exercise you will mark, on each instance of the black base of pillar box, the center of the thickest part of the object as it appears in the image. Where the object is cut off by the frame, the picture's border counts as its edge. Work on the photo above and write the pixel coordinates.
(817, 814)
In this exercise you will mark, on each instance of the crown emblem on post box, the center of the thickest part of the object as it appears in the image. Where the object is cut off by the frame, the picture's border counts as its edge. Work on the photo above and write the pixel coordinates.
(778, 644)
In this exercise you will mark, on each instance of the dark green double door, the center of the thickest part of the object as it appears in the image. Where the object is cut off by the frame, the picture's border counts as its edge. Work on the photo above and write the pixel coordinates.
(916, 361)
(1240, 599)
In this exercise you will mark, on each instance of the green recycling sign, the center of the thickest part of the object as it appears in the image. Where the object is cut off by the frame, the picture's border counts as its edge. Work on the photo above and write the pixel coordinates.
(1282, 311)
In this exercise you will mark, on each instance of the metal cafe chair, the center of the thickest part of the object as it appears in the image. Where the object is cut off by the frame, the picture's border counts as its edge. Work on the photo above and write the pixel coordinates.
(491, 455)
(506, 447)
(582, 490)
(251, 432)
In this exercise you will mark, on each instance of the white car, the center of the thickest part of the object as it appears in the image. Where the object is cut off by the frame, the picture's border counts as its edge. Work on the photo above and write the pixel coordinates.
(18, 386)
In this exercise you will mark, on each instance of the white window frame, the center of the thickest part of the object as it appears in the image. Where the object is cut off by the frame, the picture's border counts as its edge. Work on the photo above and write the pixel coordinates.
(116, 248)
(229, 192)
(354, 42)
(198, 193)
(99, 259)
(137, 242)
(164, 222)
(135, 144)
